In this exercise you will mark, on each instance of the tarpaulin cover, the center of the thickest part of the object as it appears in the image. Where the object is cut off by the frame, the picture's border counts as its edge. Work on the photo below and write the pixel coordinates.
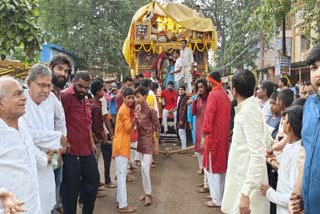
(179, 13)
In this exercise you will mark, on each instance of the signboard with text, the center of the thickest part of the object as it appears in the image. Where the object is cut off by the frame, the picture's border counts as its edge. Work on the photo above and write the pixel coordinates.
(285, 65)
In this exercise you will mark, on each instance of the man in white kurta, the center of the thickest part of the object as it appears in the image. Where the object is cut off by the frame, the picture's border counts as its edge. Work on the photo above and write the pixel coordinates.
(187, 58)
(46, 122)
(19, 167)
(40, 119)
(248, 148)
(18, 156)
(178, 69)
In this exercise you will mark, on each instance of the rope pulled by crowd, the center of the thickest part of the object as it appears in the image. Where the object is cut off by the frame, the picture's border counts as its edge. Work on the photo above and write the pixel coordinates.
(168, 151)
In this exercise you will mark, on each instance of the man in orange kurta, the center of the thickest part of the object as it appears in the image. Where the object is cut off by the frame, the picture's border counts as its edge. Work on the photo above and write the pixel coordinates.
(121, 148)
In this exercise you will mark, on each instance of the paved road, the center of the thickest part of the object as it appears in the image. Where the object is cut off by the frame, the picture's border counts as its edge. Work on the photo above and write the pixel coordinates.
(174, 189)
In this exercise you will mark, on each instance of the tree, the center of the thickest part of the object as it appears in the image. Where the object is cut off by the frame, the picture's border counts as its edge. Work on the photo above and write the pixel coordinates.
(270, 13)
(311, 15)
(19, 29)
(93, 29)
(236, 44)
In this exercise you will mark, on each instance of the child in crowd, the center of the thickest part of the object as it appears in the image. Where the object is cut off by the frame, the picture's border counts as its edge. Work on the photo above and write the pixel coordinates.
(192, 118)
(147, 124)
(289, 160)
(274, 119)
(284, 100)
(182, 116)
(121, 148)
(112, 102)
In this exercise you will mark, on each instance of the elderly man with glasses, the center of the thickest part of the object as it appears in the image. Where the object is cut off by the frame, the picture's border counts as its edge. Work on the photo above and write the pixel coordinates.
(46, 121)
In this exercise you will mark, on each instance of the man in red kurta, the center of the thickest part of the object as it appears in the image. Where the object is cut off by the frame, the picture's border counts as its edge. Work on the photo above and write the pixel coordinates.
(158, 62)
(215, 138)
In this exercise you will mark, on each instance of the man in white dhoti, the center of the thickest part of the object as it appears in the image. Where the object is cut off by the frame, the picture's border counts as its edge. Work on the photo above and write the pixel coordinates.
(18, 156)
(187, 58)
(44, 113)
(247, 168)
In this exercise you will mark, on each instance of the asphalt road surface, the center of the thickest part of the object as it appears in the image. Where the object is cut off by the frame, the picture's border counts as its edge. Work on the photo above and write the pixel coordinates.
(174, 183)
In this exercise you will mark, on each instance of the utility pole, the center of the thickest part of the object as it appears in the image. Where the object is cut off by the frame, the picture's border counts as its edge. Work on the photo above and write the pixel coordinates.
(284, 49)
(262, 48)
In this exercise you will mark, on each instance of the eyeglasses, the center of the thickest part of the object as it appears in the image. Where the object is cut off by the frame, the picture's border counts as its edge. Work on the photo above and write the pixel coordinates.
(43, 85)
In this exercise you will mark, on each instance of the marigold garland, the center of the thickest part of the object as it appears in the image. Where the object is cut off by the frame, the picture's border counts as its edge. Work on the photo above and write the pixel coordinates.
(137, 50)
(148, 49)
(201, 50)
(167, 48)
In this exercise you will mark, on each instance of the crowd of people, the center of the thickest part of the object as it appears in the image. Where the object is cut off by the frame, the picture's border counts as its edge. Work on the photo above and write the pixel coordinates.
(256, 146)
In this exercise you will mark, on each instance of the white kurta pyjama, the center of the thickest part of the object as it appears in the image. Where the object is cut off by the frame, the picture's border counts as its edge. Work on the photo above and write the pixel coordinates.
(121, 171)
(46, 123)
(187, 58)
(18, 166)
(290, 161)
(247, 164)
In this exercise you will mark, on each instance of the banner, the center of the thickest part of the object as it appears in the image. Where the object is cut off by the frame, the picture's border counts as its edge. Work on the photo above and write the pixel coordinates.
(285, 65)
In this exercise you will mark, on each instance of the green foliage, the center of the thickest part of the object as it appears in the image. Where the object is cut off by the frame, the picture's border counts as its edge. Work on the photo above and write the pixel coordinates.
(19, 29)
(237, 41)
(278, 9)
(269, 15)
(241, 45)
(312, 19)
(93, 29)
